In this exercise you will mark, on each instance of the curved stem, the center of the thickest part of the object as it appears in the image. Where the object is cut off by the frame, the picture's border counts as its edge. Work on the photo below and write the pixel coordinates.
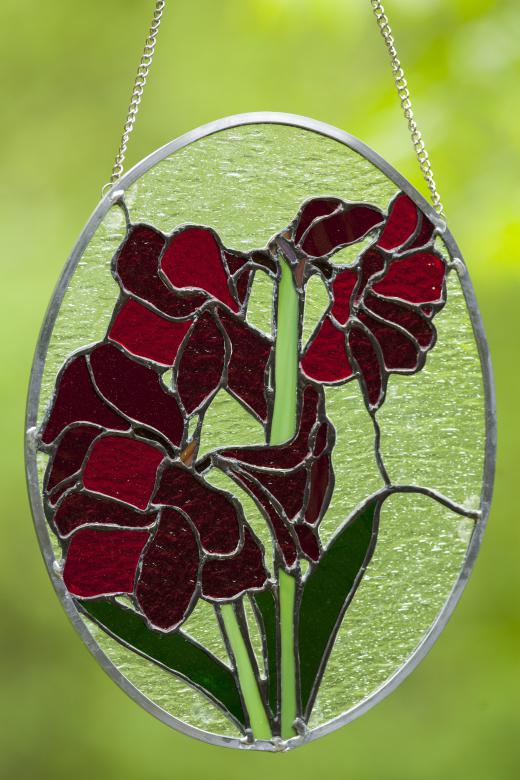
(246, 675)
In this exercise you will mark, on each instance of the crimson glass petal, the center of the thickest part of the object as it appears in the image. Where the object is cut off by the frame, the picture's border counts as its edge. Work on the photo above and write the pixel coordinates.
(317, 207)
(417, 278)
(366, 357)
(248, 362)
(280, 531)
(321, 476)
(123, 468)
(229, 577)
(136, 391)
(401, 224)
(325, 359)
(79, 509)
(212, 512)
(77, 401)
(399, 352)
(137, 266)
(146, 334)
(102, 562)
(342, 228)
(201, 363)
(167, 582)
(408, 318)
(71, 451)
(342, 289)
(193, 260)
(308, 541)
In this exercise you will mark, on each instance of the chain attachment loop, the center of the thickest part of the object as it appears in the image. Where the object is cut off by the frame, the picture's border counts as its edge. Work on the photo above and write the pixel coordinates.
(397, 70)
(137, 92)
(406, 104)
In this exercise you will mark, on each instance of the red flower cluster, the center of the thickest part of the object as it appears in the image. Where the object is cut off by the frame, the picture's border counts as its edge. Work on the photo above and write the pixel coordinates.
(380, 318)
(291, 482)
(182, 300)
(133, 517)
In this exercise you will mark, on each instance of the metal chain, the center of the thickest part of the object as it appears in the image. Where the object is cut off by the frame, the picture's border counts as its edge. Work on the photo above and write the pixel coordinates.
(406, 103)
(137, 93)
(397, 69)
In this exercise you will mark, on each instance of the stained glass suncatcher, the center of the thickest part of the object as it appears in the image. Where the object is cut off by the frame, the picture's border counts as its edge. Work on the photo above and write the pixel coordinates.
(261, 432)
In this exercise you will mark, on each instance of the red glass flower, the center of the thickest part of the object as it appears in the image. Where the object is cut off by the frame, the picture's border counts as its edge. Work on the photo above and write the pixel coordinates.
(380, 318)
(291, 482)
(133, 514)
(183, 305)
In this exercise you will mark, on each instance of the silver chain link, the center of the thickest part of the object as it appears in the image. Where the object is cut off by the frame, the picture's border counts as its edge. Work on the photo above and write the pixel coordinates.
(406, 104)
(137, 93)
(397, 69)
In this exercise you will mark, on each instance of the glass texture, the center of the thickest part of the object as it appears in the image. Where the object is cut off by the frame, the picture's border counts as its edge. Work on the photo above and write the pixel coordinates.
(421, 542)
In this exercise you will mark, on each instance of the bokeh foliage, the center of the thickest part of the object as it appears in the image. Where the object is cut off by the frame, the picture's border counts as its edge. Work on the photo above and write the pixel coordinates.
(67, 70)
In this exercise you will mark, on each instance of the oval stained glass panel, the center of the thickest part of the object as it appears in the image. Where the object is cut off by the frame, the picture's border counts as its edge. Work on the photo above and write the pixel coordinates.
(260, 436)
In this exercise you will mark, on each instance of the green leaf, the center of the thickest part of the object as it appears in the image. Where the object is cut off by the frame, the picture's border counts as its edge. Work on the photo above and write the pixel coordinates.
(327, 593)
(175, 652)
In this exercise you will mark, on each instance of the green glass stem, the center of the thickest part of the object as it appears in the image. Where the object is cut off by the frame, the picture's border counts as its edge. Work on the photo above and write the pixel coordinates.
(283, 428)
(288, 671)
(251, 695)
(283, 424)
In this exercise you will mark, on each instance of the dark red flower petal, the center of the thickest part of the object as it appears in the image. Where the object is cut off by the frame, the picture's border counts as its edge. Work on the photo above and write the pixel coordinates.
(137, 266)
(424, 235)
(167, 584)
(229, 577)
(193, 260)
(409, 319)
(282, 456)
(331, 233)
(363, 352)
(103, 563)
(287, 488)
(399, 352)
(317, 207)
(372, 262)
(321, 439)
(77, 401)
(248, 364)
(321, 478)
(325, 359)
(70, 453)
(281, 533)
(212, 512)
(401, 224)
(201, 363)
(146, 334)
(308, 541)
(417, 278)
(79, 509)
(136, 391)
(123, 468)
(342, 289)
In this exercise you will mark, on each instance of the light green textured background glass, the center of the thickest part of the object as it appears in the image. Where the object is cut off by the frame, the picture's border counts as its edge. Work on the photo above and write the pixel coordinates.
(65, 92)
(432, 424)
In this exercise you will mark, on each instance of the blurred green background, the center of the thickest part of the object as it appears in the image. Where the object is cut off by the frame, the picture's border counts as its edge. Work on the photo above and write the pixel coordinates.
(66, 74)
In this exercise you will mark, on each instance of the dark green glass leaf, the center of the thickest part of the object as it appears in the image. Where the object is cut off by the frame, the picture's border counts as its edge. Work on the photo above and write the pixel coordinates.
(175, 652)
(265, 601)
(327, 594)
